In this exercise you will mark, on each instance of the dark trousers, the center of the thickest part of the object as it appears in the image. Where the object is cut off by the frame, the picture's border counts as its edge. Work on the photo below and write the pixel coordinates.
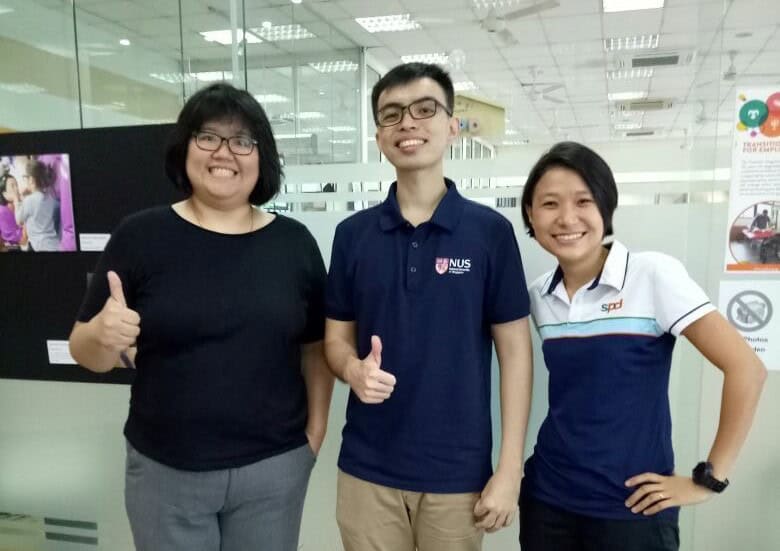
(547, 528)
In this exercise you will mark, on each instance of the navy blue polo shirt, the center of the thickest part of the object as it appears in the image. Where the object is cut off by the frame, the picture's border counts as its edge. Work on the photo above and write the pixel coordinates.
(431, 293)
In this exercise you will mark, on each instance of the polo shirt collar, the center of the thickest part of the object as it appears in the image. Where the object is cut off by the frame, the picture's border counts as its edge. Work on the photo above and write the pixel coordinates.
(446, 216)
(613, 273)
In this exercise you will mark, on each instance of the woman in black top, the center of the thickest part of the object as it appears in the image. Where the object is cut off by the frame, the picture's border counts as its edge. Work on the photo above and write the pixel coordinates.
(219, 305)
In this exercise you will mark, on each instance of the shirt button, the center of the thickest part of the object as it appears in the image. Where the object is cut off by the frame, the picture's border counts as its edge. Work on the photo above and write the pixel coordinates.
(414, 244)
(413, 269)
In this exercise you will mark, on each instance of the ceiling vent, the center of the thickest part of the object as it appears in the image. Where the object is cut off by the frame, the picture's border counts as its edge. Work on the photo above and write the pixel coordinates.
(638, 133)
(662, 59)
(644, 105)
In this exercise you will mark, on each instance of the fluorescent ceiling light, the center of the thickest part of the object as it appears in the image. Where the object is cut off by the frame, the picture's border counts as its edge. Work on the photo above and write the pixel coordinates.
(388, 23)
(4, 9)
(291, 136)
(225, 36)
(271, 98)
(342, 142)
(21, 88)
(276, 33)
(340, 66)
(627, 74)
(464, 86)
(625, 96)
(124, 42)
(628, 125)
(511, 132)
(638, 42)
(342, 128)
(213, 76)
(171, 78)
(611, 6)
(515, 142)
(439, 57)
(303, 115)
(207, 76)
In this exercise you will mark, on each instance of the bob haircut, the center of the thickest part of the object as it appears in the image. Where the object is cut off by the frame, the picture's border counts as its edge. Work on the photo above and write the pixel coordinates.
(593, 170)
(410, 72)
(219, 102)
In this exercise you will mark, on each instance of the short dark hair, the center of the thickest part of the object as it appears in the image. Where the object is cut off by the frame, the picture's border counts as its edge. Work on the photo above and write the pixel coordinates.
(221, 101)
(409, 72)
(593, 170)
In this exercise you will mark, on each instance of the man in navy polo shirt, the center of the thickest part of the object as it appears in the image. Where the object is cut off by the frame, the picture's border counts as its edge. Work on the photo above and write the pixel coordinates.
(419, 288)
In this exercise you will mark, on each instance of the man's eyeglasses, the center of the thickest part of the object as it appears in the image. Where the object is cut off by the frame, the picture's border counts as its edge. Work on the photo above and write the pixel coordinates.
(238, 145)
(424, 108)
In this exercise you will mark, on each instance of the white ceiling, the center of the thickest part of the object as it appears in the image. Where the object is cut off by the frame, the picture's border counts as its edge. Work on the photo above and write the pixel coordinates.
(560, 49)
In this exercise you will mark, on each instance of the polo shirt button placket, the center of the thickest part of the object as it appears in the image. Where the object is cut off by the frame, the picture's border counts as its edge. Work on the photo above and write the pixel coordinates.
(413, 280)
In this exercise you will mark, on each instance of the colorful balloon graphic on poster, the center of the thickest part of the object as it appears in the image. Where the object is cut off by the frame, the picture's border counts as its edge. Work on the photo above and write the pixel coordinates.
(760, 117)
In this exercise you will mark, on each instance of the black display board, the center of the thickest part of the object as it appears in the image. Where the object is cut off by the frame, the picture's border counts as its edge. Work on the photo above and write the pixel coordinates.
(114, 172)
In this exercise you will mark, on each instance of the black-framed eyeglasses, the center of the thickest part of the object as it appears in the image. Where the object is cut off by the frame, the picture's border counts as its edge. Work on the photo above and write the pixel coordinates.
(238, 145)
(424, 108)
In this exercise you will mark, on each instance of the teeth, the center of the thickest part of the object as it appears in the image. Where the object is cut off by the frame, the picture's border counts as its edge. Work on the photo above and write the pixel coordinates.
(219, 171)
(569, 236)
(407, 143)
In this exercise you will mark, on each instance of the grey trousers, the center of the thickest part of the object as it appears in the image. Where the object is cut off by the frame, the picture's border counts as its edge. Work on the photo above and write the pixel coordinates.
(257, 507)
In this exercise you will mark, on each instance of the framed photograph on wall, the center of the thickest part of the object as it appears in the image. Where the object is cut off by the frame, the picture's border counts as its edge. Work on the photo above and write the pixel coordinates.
(36, 205)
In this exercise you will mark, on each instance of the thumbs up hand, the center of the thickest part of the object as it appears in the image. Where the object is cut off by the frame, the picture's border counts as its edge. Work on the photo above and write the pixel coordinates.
(117, 325)
(366, 378)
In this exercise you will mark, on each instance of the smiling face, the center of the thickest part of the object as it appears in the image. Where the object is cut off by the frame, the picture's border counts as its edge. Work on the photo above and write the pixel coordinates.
(416, 144)
(222, 178)
(565, 218)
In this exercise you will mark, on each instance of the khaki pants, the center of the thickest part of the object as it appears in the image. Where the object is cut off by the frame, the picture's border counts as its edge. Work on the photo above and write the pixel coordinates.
(377, 518)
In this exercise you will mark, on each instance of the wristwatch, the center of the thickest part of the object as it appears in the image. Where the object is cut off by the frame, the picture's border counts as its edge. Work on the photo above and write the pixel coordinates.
(702, 475)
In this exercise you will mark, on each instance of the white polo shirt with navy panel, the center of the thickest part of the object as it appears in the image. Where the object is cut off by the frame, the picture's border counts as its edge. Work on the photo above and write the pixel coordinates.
(608, 351)
(431, 292)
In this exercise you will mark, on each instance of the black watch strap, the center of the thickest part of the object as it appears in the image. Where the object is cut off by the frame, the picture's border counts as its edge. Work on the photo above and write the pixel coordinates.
(702, 475)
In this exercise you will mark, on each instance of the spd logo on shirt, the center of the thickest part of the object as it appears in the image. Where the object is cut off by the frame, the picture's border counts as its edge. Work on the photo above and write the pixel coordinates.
(612, 306)
(454, 266)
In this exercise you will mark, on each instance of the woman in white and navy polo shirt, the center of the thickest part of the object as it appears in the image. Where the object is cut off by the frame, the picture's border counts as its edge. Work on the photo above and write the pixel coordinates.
(602, 473)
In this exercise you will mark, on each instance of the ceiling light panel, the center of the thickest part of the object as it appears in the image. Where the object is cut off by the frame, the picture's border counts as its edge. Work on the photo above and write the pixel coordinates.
(628, 74)
(339, 66)
(626, 96)
(638, 42)
(612, 6)
(225, 36)
(271, 98)
(441, 58)
(388, 23)
(277, 33)
(303, 115)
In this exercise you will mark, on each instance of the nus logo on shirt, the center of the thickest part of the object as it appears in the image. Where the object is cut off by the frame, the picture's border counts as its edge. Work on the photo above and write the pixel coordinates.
(452, 265)
(612, 306)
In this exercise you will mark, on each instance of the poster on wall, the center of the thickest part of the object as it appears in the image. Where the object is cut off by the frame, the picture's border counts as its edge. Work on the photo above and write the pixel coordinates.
(753, 240)
(36, 209)
(753, 308)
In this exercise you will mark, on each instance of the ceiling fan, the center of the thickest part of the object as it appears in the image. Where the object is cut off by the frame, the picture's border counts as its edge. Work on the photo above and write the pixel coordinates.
(541, 90)
(495, 20)
(731, 73)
